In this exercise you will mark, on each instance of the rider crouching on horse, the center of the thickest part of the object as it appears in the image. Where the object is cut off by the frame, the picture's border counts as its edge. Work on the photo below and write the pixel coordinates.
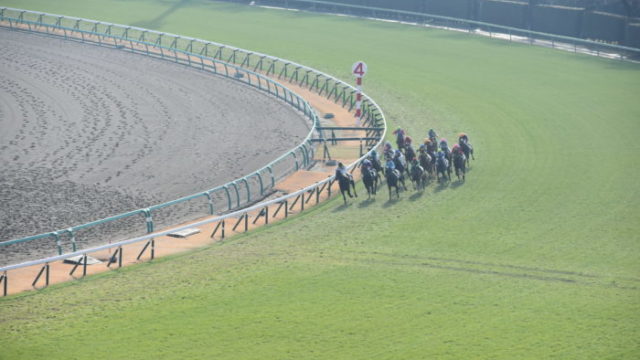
(462, 137)
(400, 136)
(344, 179)
(409, 152)
(400, 161)
(457, 150)
(366, 165)
(431, 147)
(388, 151)
(463, 141)
(431, 135)
(444, 147)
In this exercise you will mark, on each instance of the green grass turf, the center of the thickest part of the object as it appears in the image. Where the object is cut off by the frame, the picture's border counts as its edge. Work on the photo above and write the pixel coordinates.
(536, 256)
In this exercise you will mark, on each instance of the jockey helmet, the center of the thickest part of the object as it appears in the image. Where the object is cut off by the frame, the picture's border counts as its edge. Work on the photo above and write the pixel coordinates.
(366, 163)
(408, 139)
(340, 165)
(443, 140)
(427, 141)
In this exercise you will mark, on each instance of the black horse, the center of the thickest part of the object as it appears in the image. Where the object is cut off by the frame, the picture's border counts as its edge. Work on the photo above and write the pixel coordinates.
(427, 163)
(442, 166)
(409, 153)
(418, 176)
(345, 181)
(460, 164)
(377, 166)
(370, 179)
(401, 165)
(394, 179)
(467, 149)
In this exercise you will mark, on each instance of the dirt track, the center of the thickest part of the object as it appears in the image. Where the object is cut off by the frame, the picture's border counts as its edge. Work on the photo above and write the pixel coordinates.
(88, 132)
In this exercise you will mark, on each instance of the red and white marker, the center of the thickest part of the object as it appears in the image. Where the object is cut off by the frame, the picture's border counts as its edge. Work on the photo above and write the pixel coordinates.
(359, 69)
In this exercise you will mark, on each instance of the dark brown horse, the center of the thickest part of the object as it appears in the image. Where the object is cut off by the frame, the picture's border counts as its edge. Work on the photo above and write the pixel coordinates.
(345, 181)
(460, 164)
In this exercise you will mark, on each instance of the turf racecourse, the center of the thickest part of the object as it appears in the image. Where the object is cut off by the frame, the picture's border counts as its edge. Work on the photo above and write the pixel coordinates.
(536, 256)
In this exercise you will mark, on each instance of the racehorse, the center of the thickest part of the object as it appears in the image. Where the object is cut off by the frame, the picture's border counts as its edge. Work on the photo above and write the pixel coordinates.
(394, 179)
(370, 179)
(345, 181)
(409, 153)
(377, 166)
(400, 162)
(442, 166)
(400, 138)
(418, 176)
(467, 149)
(427, 163)
(459, 163)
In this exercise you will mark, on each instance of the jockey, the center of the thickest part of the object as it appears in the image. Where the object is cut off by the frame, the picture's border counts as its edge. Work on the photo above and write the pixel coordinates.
(390, 165)
(341, 171)
(463, 138)
(399, 133)
(432, 134)
(444, 146)
(407, 141)
(430, 146)
(456, 149)
(398, 155)
(387, 151)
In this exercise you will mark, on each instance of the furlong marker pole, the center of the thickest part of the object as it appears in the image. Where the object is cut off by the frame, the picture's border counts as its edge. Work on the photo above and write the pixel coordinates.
(359, 69)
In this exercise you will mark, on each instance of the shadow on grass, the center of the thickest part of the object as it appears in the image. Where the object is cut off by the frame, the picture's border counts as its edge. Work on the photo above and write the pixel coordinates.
(456, 184)
(441, 186)
(416, 195)
(159, 20)
(391, 202)
(343, 207)
(367, 202)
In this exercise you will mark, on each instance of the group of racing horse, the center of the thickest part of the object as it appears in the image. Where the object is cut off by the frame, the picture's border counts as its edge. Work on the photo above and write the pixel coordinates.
(433, 158)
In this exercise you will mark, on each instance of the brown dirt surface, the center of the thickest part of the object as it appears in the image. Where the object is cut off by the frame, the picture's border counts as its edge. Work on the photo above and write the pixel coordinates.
(89, 132)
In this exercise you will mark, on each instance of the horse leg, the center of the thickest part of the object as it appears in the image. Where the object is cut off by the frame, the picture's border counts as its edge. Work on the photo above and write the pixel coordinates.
(353, 185)
(389, 185)
(344, 197)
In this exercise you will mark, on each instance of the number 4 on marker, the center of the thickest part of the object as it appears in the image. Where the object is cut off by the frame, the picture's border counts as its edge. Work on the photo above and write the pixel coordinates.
(359, 69)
